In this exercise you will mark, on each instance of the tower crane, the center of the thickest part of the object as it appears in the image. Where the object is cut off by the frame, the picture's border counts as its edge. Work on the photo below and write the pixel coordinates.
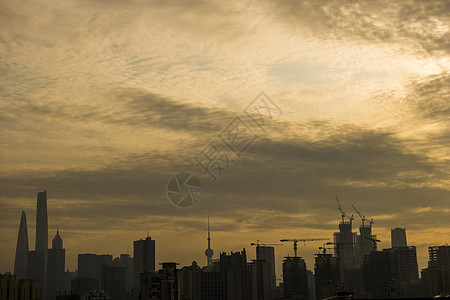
(363, 218)
(374, 241)
(343, 214)
(324, 247)
(258, 244)
(301, 240)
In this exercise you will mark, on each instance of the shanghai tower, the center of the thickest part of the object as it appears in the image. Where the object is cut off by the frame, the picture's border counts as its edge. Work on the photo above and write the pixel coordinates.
(41, 222)
(21, 261)
(37, 259)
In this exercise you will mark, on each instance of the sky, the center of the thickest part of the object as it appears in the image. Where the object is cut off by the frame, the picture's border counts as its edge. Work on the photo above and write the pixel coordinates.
(102, 102)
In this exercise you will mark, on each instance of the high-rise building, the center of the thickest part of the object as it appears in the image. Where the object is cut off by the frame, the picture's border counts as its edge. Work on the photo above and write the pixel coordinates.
(56, 261)
(21, 260)
(90, 266)
(23, 289)
(329, 275)
(82, 285)
(436, 278)
(405, 260)
(41, 222)
(8, 287)
(102, 260)
(398, 237)
(113, 280)
(37, 259)
(295, 278)
(68, 277)
(259, 280)
(87, 265)
(144, 261)
(213, 285)
(344, 244)
(268, 253)
(128, 263)
(29, 289)
(190, 282)
(392, 272)
(364, 244)
(234, 269)
(162, 285)
(377, 274)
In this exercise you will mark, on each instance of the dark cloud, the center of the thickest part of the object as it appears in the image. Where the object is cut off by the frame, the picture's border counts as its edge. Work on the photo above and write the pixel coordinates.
(128, 107)
(430, 98)
(278, 179)
(419, 24)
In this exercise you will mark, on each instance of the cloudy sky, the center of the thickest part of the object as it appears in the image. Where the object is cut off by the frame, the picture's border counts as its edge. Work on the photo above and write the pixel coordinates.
(101, 102)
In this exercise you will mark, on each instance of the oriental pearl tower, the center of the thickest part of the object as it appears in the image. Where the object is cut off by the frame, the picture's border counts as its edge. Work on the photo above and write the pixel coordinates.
(209, 252)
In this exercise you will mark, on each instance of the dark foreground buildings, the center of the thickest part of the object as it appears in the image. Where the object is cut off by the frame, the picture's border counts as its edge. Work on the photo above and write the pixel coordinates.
(356, 267)
(436, 278)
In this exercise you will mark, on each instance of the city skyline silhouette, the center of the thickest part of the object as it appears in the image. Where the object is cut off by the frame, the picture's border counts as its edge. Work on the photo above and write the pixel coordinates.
(144, 117)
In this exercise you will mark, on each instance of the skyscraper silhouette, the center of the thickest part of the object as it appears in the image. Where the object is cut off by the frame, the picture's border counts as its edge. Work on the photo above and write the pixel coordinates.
(234, 268)
(344, 242)
(268, 253)
(144, 261)
(295, 278)
(398, 237)
(41, 222)
(21, 261)
(56, 259)
(37, 259)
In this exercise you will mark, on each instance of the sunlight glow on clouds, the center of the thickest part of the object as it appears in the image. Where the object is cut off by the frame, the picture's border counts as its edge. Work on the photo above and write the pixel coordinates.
(101, 102)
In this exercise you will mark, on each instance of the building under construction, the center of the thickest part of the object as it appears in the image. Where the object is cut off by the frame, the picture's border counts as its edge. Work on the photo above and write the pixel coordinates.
(295, 278)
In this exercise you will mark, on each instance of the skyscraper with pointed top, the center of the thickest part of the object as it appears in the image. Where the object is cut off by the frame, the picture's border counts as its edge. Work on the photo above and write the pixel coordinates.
(56, 259)
(209, 252)
(21, 260)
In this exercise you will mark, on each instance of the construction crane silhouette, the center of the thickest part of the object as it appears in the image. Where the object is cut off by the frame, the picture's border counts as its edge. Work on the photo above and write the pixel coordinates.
(301, 240)
(258, 244)
(324, 247)
(374, 241)
(363, 218)
(343, 214)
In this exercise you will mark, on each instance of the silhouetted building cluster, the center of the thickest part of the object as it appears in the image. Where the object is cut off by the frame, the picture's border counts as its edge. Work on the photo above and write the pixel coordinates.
(42, 267)
(356, 268)
(436, 278)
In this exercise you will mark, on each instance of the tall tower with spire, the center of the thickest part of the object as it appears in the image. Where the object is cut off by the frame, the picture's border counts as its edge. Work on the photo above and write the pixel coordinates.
(209, 252)
(56, 260)
(21, 261)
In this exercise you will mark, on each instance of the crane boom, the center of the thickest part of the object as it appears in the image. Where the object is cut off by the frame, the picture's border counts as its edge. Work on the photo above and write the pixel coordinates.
(363, 218)
(374, 241)
(302, 240)
(343, 214)
(258, 244)
(340, 209)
